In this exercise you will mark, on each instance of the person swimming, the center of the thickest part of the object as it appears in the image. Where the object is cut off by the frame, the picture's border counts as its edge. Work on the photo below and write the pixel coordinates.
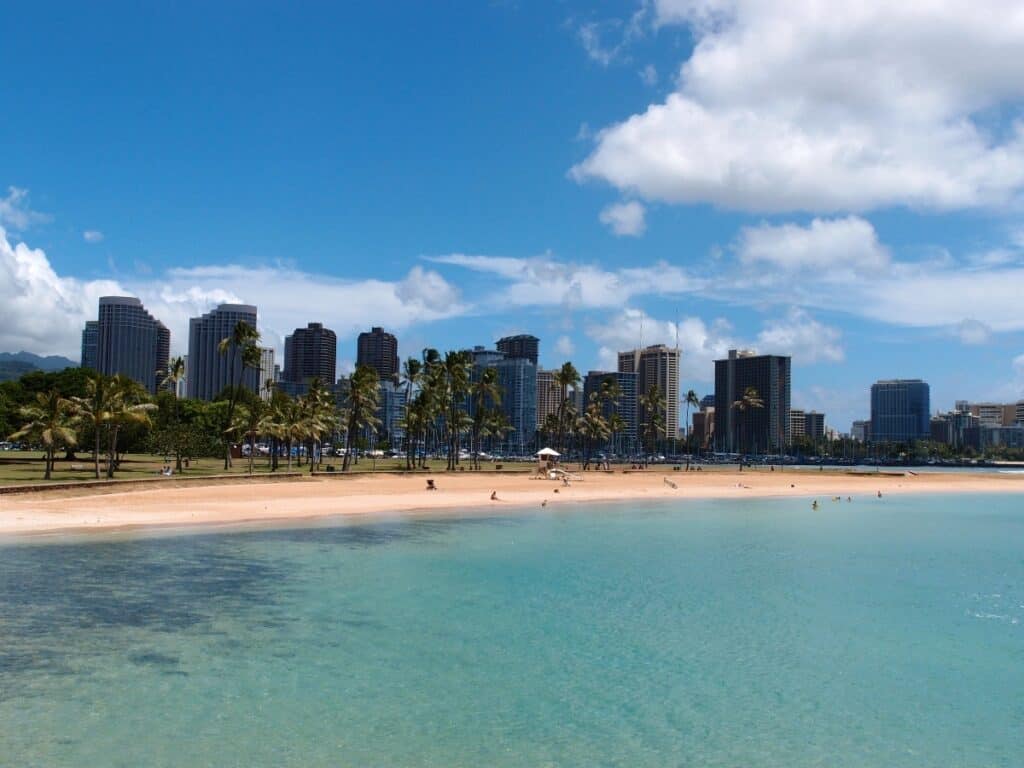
(814, 504)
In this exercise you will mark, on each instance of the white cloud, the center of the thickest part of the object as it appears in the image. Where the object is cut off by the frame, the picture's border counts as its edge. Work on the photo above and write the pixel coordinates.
(15, 212)
(92, 236)
(700, 344)
(45, 312)
(649, 75)
(592, 36)
(797, 334)
(624, 218)
(818, 106)
(801, 337)
(840, 265)
(849, 245)
(564, 346)
(971, 331)
(544, 281)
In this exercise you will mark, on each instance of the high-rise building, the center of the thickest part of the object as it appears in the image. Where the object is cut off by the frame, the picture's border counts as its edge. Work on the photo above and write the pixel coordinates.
(1018, 412)
(861, 431)
(131, 342)
(390, 414)
(378, 349)
(209, 371)
(900, 411)
(548, 396)
(814, 425)
(517, 380)
(704, 427)
(626, 441)
(797, 423)
(753, 429)
(523, 347)
(994, 414)
(90, 340)
(656, 365)
(267, 377)
(311, 352)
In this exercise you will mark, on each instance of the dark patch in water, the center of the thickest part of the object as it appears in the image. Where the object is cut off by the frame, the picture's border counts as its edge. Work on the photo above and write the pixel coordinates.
(154, 659)
(64, 601)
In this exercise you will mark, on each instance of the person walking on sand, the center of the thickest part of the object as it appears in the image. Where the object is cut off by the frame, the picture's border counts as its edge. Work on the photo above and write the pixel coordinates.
(494, 495)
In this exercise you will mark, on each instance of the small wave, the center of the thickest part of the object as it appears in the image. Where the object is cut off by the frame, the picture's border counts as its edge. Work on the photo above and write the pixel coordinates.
(994, 617)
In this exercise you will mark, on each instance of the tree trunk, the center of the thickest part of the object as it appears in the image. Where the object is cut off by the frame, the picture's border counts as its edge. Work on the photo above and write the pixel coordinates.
(96, 454)
(47, 464)
(113, 453)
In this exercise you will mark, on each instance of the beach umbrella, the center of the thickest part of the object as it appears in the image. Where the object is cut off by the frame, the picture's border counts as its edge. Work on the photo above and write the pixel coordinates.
(548, 452)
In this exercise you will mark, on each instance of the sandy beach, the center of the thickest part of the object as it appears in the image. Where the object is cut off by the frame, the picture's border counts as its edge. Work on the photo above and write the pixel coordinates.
(321, 497)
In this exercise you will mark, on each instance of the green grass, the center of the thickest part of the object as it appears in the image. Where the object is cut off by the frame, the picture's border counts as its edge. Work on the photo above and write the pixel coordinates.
(26, 467)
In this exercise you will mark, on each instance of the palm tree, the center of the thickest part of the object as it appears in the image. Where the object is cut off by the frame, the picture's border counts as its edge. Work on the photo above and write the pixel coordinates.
(691, 400)
(49, 421)
(128, 405)
(248, 419)
(411, 372)
(592, 426)
(456, 367)
(565, 378)
(363, 396)
(241, 345)
(751, 400)
(653, 404)
(175, 373)
(486, 394)
(96, 410)
(616, 425)
(320, 419)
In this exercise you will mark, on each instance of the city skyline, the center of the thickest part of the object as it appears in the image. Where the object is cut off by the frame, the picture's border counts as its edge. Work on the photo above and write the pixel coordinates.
(347, 201)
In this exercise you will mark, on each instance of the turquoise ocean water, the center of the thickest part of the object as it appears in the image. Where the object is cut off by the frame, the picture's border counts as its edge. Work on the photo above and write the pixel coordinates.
(874, 633)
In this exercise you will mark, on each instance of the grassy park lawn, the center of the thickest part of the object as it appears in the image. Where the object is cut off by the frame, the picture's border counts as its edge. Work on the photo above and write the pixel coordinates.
(26, 467)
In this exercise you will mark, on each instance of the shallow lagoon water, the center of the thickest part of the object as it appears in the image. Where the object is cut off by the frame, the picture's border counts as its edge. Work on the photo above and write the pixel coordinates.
(873, 633)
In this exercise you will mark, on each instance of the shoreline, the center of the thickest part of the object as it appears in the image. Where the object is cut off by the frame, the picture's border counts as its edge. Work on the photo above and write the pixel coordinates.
(303, 501)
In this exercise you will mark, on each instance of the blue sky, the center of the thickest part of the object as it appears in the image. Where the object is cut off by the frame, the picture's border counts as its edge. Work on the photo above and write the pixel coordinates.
(843, 186)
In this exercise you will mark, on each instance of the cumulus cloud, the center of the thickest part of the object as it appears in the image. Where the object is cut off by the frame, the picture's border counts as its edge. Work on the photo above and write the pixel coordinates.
(700, 343)
(624, 218)
(649, 75)
(797, 334)
(849, 244)
(46, 311)
(801, 337)
(92, 236)
(564, 346)
(840, 264)
(15, 212)
(545, 281)
(823, 107)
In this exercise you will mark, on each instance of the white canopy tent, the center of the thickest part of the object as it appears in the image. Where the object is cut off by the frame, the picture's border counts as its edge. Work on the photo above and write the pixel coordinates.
(544, 453)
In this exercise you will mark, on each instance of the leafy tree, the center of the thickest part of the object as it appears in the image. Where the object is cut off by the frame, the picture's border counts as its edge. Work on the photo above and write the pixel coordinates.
(48, 422)
(653, 404)
(361, 407)
(241, 346)
(749, 401)
(128, 406)
(691, 400)
(412, 370)
(96, 410)
(486, 395)
(565, 378)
